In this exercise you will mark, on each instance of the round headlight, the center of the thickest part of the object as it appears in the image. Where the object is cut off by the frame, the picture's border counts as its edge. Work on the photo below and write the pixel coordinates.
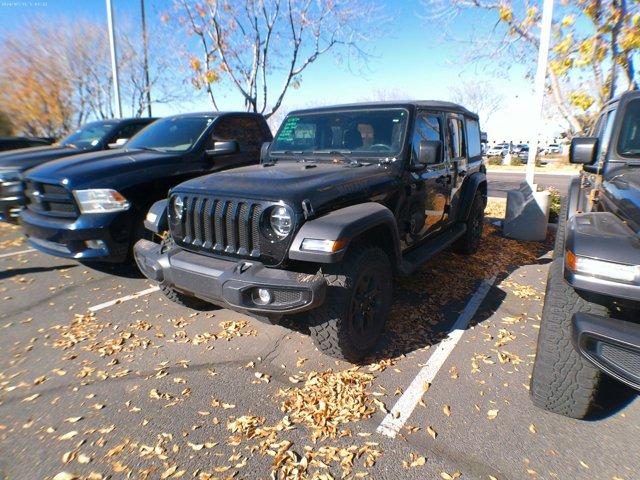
(280, 221)
(178, 208)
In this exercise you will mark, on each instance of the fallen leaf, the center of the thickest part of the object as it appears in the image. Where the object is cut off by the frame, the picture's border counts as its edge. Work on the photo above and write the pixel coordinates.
(73, 419)
(432, 433)
(533, 429)
(168, 472)
(66, 476)
(446, 409)
(492, 414)
(68, 435)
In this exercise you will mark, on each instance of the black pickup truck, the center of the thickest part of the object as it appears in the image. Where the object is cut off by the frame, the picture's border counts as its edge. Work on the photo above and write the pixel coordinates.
(91, 137)
(344, 198)
(591, 317)
(91, 207)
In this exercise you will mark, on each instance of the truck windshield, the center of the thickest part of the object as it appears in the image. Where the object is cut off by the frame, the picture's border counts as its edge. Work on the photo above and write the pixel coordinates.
(173, 134)
(629, 142)
(89, 135)
(363, 132)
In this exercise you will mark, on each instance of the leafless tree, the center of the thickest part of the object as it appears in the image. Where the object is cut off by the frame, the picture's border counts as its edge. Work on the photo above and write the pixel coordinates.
(479, 97)
(262, 47)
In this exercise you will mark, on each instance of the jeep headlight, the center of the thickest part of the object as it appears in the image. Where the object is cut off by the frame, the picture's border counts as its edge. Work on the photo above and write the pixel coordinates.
(280, 221)
(177, 206)
(100, 200)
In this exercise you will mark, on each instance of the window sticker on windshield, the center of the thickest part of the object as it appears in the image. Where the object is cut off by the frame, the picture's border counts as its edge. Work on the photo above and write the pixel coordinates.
(288, 129)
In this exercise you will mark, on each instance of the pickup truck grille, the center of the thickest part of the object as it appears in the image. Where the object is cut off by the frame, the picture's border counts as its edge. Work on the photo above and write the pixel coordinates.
(50, 199)
(220, 226)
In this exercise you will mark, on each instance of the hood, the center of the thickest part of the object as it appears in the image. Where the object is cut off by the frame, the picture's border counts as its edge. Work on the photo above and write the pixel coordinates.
(292, 182)
(623, 190)
(26, 158)
(103, 169)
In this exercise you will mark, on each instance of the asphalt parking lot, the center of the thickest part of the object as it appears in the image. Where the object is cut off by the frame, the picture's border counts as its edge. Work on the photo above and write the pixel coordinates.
(98, 382)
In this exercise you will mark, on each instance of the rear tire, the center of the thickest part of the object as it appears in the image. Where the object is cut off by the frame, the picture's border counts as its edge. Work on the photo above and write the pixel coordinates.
(562, 381)
(178, 297)
(469, 243)
(350, 322)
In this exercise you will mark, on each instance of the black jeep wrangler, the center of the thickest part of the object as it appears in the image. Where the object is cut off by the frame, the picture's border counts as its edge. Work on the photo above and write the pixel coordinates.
(590, 322)
(344, 198)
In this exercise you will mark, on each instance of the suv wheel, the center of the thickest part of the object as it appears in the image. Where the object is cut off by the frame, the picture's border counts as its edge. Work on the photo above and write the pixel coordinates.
(562, 381)
(351, 320)
(174, 295)
(470, 241)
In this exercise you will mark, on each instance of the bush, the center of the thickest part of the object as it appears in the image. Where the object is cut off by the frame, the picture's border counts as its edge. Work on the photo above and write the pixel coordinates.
(517, 161)
(554, 201)
(494, 160)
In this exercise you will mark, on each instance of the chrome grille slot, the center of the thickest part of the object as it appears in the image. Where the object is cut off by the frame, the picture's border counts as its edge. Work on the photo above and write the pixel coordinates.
(50, 199)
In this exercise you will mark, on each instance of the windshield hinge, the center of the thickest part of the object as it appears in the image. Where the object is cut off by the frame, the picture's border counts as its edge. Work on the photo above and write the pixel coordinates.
(307, 209)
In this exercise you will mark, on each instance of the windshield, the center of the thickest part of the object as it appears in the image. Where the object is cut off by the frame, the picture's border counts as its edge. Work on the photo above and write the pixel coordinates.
(370, 132)
(174, 134)
(629, 143)
(89, 135)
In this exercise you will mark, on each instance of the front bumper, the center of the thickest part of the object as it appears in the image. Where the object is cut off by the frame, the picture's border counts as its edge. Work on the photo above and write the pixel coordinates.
(611, 345)
(108, 235)
(231, 284)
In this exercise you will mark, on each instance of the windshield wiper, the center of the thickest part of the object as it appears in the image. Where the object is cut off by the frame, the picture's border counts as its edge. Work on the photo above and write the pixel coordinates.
(297, 155)
(150, 149)
(343, 154)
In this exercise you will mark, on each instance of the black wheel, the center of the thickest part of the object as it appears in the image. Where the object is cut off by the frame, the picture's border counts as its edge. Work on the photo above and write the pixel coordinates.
(470, 241)
(178, 297)
(562, 381)
(351, 320)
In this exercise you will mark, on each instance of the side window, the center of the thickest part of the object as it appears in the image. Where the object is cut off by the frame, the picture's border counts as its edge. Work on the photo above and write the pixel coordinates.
(428, 127)
(245, 130)
(455, 138)
(473, 138)
(126, 131)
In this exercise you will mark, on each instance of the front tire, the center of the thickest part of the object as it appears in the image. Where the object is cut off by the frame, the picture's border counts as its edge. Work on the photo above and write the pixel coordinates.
(350, 322)
(562, 381)
(469, 243)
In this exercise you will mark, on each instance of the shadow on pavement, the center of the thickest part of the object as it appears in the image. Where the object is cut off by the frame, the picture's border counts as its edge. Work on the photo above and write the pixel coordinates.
(28, 270)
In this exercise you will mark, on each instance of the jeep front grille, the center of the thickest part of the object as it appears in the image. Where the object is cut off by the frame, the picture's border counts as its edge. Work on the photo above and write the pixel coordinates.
(50, 199)
(219, 226)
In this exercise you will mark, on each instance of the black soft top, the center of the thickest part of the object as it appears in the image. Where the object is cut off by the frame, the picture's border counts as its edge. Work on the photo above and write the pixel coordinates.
(410, 104)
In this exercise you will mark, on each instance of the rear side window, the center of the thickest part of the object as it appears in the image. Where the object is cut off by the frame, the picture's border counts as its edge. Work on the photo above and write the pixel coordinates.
(455, 138)
(473, 138)
(629, 142)
(245, 130)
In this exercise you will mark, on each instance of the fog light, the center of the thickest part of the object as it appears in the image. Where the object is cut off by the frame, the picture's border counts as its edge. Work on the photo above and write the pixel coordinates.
(94, 244)
(264, 296)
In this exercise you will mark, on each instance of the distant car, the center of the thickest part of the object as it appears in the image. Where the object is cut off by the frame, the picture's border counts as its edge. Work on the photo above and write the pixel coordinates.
(499, 150)
(553, 148)
(523, 152)
(519, 148)
(16, 143)
(91, 137)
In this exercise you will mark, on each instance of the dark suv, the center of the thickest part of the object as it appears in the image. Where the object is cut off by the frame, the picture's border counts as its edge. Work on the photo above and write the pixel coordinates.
(91, 137)
(92, 206)
(590, 322)
(344, 198)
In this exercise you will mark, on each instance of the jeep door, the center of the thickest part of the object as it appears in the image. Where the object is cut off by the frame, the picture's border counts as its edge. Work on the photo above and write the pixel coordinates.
(430, 187)
(244, 129)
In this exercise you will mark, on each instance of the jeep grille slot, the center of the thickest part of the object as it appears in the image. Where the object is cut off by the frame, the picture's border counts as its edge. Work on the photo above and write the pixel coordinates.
(50, 199)
(226, 227)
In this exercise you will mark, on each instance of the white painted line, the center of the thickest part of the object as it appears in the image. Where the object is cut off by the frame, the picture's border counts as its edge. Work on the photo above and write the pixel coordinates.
(120, 300)
(402, 410)
(4, 255)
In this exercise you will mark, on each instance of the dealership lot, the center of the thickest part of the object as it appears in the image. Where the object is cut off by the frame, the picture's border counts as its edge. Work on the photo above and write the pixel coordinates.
(97, 379)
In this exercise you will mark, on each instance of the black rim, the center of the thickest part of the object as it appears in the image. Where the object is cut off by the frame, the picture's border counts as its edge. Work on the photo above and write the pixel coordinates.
(477, 224)
(366, 311)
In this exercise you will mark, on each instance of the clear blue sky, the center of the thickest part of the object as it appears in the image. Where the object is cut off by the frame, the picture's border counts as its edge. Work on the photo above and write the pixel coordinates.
(413, 59)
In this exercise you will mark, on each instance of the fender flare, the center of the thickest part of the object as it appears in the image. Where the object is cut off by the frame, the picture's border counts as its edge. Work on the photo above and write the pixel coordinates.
(573, 197)
(344, 225)
(156, 218)
(469, 189)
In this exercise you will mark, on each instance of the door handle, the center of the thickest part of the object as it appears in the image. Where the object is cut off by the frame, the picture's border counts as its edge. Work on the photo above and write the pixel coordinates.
(462, 173)
(444, 179)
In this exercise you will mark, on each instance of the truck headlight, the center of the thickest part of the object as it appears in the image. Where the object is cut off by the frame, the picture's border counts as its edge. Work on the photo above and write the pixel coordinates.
(100, 200)
(600, 268)
(280, 221)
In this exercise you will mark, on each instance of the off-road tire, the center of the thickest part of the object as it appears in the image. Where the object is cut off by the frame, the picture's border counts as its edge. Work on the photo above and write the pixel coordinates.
(330, 325)
(562, 381)
(174, 295)
(468, 244)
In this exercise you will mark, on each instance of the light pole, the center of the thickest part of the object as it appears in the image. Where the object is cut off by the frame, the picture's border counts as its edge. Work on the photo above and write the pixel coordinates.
(541, 75)
(114, 61)
(145, 46)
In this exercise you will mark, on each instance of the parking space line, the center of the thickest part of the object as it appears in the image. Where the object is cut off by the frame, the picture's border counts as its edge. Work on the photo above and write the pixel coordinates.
(402, 410)
(120, 300)
(29, 250)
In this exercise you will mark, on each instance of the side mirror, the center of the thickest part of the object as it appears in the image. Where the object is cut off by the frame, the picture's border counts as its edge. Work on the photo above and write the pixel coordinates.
(264, 150)
(583, 150)
(429, 153)
(118, 143)
(222, 148)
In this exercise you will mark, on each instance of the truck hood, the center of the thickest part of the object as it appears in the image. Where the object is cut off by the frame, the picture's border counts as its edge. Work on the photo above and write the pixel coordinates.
(103, 169)
(26, 158)
(623, 189)
(292, 182)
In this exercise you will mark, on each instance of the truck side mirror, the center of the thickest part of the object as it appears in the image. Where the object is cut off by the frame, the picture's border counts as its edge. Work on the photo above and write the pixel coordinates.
(583, 150)
(118, 143)
(264, 151)
(430, 152)
(222, 148)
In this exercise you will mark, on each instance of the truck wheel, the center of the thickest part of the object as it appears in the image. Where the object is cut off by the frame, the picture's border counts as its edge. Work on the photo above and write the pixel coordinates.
(351, 320)
(468, 244)
(562, 381)
(174, 295)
